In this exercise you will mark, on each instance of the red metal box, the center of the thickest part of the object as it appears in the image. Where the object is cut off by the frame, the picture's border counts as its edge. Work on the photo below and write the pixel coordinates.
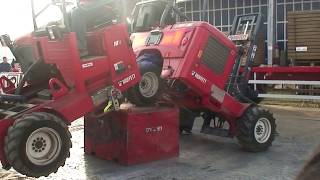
(133, 136)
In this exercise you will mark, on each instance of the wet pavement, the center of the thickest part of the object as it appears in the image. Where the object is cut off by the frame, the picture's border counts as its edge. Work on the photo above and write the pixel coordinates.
(206, 157)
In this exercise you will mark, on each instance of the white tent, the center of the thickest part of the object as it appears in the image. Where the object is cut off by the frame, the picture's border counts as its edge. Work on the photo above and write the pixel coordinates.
(5, 52)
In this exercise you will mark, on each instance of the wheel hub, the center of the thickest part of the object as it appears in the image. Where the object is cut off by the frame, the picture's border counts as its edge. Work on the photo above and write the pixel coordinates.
(149, 84)
(43, 146)
(39, 144)
(262, 130)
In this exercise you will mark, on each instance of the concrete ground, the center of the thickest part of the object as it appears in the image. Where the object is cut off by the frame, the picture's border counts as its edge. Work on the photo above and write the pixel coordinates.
(207, 157)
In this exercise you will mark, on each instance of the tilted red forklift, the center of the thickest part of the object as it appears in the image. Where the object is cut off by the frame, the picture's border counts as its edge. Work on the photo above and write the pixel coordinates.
(199, 69)
(60, 87)
(189, 64)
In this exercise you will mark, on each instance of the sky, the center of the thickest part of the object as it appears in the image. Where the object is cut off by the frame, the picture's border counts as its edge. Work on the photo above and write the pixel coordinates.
(16, 20)
(15, 17)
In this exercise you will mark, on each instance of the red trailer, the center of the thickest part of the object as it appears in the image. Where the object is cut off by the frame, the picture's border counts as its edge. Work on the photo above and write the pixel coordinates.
(305, 78)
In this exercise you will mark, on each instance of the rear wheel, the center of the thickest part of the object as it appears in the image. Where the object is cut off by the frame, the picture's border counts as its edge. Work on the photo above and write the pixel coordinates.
(256, 129)
(37, 144)
(150, 85)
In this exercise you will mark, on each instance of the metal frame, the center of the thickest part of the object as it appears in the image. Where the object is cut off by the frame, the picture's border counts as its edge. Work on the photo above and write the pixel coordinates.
(36, 14)
(270, 30)
(271, 75)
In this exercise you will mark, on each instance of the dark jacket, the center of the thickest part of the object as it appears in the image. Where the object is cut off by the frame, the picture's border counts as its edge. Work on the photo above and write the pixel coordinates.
(5, 67)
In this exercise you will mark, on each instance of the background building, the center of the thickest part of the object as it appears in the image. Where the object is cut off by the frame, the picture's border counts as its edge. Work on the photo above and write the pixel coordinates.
(221, 13)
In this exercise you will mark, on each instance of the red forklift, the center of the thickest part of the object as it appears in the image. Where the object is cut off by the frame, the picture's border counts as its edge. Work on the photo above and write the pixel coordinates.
(198, 68)
(191, 65)
(59, 87)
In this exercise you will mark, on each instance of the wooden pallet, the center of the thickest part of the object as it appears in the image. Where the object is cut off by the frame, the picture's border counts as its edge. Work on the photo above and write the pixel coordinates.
(304, 31)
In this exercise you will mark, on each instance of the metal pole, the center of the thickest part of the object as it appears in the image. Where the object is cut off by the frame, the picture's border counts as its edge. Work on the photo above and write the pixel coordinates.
(271, 29)
(33, 16)
(204, 9)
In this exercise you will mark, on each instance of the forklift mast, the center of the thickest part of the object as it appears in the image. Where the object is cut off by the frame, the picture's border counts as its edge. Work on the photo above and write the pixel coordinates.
(244, 34)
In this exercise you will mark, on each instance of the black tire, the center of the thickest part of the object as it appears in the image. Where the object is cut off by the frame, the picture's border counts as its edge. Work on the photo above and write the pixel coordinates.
(25, 129)
(149, 70)
(249, 130)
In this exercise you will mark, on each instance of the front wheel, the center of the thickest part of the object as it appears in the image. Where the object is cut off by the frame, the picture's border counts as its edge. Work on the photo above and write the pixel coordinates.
(37, 144)
(150, 85)
(256, 129)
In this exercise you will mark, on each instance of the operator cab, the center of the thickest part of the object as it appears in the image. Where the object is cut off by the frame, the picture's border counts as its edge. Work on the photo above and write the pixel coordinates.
(149, 15)
(57, 59)
(52, 18)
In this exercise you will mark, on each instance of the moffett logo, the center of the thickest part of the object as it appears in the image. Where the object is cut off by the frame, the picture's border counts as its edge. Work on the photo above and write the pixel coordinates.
(199, 77)
(126, 80)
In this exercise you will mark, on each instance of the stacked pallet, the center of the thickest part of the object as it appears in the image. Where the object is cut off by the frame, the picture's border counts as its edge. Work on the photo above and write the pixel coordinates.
(304, 36)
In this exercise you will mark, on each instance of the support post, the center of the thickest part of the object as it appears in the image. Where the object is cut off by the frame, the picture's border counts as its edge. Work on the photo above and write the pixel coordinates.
(271, 29)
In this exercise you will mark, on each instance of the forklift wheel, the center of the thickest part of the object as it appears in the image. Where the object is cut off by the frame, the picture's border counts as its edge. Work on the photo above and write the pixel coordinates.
(256, 129)
(38, 144)
(149, 87)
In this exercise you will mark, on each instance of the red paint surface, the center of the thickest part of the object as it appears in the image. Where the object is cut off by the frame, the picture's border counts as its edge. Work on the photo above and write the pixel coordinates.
(183, 58)
(135, 136)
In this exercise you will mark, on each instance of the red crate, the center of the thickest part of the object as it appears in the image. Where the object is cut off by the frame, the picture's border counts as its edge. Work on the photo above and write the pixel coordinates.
(133, 136)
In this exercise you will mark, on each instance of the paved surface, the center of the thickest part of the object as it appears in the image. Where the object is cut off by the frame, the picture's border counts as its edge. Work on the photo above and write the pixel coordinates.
(207, 157)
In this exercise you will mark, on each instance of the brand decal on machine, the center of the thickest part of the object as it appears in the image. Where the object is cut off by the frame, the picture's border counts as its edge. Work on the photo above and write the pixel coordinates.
(199, 77)
(87, 65)
(127, 79)
(154, 129)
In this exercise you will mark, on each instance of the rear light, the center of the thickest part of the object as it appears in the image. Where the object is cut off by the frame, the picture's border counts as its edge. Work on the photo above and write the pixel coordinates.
(172, 38)
(178, 37)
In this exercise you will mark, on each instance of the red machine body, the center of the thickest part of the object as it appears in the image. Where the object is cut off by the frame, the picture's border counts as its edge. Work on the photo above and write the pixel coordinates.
(200, 56)
(92, 74)
(133, 136)
(82, 84)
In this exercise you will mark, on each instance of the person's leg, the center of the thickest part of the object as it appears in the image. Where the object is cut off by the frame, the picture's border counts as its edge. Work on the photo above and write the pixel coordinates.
(79, 26)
